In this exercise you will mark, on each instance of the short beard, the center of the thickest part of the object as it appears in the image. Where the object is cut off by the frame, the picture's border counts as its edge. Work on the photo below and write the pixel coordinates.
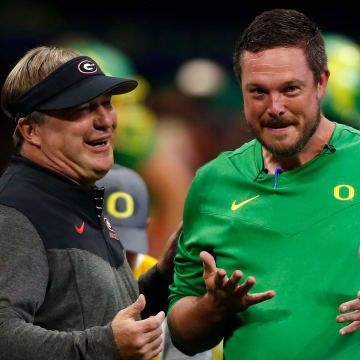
(298, 146)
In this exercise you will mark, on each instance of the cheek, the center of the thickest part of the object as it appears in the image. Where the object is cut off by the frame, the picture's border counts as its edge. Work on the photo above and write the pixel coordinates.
(114, 118)
(253, 109)
(60, 138)
(306, 107)
(49, 137)
(297, 107)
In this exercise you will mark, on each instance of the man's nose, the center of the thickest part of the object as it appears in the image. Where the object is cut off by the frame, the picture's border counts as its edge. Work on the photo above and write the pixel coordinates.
(276, 106)
(104, 118)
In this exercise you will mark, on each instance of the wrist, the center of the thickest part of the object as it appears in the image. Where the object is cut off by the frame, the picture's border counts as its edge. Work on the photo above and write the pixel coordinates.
(216, 310)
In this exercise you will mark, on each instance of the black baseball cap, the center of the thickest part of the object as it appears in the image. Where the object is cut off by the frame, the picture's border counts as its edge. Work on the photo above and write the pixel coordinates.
(74, 83)
(126, 207)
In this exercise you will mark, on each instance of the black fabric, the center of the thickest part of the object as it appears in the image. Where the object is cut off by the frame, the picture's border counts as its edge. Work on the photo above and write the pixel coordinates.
(150, 283)
(63, 213)
(70, 85)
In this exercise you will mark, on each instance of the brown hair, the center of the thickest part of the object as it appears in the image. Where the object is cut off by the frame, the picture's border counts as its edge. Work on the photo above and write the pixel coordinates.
(35, 66)
(283, 28)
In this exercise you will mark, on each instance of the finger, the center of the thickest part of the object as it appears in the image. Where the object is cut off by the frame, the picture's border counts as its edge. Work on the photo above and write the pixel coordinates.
(151, 336)
(208, 263)
(257, 298)
(156, 351)
(353, 316)
(147, 351)
(155, 344)
(233, 282)
(220, 278)
(350, 328)
(151, 323)
(246, 286)
(132, 310)
(350, 305)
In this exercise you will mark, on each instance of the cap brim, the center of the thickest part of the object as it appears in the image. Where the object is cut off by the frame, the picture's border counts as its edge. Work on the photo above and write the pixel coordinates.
(86, 90)
(133, 239)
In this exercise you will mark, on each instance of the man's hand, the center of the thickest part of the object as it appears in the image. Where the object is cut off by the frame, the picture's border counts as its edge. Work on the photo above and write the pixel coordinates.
(226, 293)
(166, 261)
(198, 322)
(137, 340)
(353, 317)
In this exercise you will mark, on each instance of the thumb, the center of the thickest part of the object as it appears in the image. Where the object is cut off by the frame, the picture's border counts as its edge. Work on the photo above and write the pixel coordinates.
(132, 310)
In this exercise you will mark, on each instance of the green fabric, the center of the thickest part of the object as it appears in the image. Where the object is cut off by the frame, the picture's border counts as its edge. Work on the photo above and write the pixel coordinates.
(297, 239)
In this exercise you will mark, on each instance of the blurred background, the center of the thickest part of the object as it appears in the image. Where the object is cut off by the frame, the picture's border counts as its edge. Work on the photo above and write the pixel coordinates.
(188, 106)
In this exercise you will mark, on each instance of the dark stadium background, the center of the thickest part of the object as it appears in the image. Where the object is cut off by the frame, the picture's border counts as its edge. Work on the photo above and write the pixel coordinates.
(157, 36)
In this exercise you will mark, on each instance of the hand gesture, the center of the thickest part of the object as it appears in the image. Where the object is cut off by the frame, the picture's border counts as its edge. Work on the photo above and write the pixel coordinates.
(353, 316)
(137, 340)
(226, 293)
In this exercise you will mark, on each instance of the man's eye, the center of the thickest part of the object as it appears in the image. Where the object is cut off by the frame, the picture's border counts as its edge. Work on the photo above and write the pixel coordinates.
(291, 88)
(81, 109)
(257, 91)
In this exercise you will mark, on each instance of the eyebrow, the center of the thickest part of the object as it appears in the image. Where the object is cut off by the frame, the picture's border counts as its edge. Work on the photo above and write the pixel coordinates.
(287, 83)
(294, 82)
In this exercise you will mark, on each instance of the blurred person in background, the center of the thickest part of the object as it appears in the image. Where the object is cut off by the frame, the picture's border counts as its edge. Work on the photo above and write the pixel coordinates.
(66, 289)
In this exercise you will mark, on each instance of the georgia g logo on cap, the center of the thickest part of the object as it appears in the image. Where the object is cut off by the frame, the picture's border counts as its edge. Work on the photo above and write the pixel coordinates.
(87, 67)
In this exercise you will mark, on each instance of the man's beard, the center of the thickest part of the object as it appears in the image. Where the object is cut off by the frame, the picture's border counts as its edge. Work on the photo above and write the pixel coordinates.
(295, 149)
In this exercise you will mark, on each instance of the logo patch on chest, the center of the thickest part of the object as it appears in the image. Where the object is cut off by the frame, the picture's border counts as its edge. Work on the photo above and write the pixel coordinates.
(235, 206)
(112, 233)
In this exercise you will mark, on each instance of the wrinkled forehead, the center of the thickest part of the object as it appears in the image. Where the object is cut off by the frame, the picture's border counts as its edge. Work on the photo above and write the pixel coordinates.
(282, 62)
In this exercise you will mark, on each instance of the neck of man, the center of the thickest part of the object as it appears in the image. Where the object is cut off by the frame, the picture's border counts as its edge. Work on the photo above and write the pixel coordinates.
(315, 145)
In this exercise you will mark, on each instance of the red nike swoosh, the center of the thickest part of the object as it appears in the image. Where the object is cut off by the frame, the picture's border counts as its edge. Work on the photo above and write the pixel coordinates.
(80, 229)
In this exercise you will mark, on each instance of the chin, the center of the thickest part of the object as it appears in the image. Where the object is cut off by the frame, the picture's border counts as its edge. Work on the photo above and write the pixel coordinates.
(284, 150)
(104, 164)
(91, 179)
(100, 173)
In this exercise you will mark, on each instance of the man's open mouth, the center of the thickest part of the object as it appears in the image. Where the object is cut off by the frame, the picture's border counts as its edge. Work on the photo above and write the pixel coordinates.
(277, 125)
(96, 143)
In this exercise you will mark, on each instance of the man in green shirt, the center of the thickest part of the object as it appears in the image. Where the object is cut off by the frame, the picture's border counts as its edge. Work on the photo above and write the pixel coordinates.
(284, 208)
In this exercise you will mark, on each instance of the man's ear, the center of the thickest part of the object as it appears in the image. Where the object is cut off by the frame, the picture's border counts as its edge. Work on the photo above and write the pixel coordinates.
(30, 131)
(323, 83)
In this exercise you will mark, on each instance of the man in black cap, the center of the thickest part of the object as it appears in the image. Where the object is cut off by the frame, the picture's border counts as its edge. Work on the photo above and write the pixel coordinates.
(66, 290)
